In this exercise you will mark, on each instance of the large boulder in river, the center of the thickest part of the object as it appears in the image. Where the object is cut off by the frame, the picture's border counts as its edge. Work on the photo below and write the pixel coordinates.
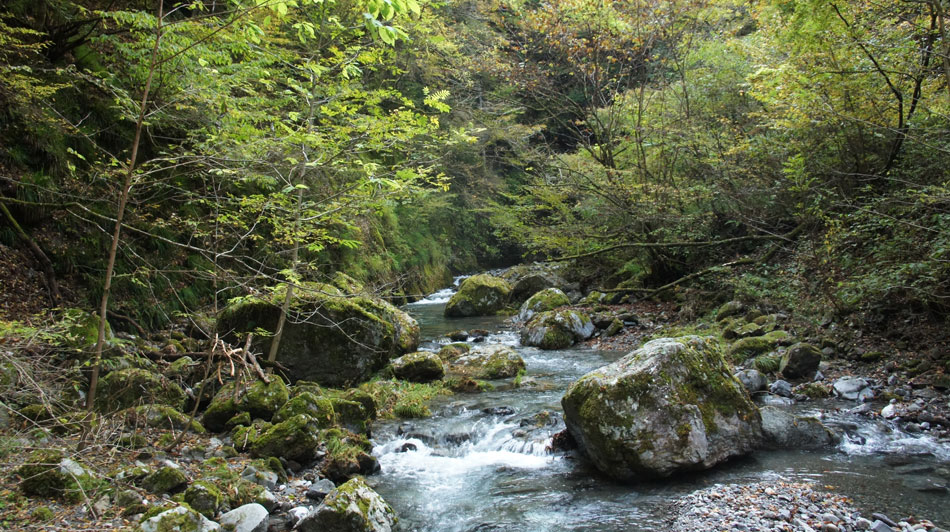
(670, 406)
(557, 329)
(352, 507)
(332, 338)
(543, 301)
(478, 295)
(529, 279)
(490, 362)
(421, 366)
(784, 430)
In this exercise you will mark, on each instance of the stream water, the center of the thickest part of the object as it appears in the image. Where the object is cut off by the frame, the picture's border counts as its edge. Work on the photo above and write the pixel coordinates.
(480, 462)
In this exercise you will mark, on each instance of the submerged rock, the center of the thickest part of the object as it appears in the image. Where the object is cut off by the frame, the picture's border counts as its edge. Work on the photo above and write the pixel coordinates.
(352, 507)
(543, 301)
(557, 329)
(478, 295)
(339, 339)
(670, 406)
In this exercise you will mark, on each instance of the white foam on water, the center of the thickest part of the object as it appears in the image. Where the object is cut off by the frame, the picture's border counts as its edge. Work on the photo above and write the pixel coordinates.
(885, 438)
(442, 296)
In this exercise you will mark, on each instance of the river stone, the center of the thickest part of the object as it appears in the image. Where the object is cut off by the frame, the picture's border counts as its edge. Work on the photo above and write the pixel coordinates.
(752, 380)
(179, 518)
(352, 507)
(247, 518)
(543, 301)
(489, 362)
(670, 406)
(478, 295)
(781, 388)
(294, 439)
(338, 340)
(557, 329)
(420, 366)
(783, 430)
(800, 361)
(850, 388)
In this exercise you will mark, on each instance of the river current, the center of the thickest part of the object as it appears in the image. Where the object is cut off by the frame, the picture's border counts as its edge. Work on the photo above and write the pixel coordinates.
(482, 463)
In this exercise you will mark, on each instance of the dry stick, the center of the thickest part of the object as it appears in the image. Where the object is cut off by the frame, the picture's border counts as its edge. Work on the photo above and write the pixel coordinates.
(38, 254)
(123, 200)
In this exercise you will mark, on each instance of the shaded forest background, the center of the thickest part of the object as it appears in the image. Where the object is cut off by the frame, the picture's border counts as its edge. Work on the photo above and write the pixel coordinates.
(791, 152)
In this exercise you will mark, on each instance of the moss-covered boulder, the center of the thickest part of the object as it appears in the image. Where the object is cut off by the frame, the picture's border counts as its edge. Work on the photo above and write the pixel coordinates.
(244, 436)
(351, 415)
(335, 339)
(48, 473)
(800, 361)
(160, 416)
(166, 479)
(489, 362)
(421, 366)
(204, 497)
(295, 439)
(529, 279)
(317, 407)
(543, 301)
(557, 329)
(259, 399)
(478, 295)
(730, 309)
(757, 345)
(352, 507)
(453, 351)
(670, 406)
(125, 388)
(178, 519)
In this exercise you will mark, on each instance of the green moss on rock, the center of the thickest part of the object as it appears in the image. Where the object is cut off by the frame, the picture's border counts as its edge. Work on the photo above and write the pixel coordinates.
(165, 480)
(420, 366)
(204, 497)
(125, 388)
(294, 439)
(48, 473)
(543, 301)
(478, 295)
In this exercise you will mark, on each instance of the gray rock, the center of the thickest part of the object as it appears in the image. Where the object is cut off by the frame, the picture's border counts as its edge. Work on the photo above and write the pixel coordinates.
(179, 518)
(353, 507)
(297, 514)
(880, 526)
(489, 362)
(478, 295)
(320, 489)
(670, 406)
(247, 518)
(753, 380)
(781, 388)
(786, 431)
(268, 500)
(850, 387)
(862, 524)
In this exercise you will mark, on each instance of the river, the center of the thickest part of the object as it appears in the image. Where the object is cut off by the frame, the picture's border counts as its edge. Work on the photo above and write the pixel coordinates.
(481, 462)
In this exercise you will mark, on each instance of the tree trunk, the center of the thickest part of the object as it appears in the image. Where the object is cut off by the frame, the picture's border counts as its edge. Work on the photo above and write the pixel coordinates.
(123, 200)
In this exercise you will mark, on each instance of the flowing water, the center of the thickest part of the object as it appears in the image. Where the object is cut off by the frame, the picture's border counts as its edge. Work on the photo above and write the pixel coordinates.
(481, 462)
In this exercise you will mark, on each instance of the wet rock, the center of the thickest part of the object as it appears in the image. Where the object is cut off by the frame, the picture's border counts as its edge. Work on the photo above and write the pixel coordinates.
(478, 295)
(786, 431)
(352, 507)
(247, 518)
(670, 406)
(557, 329)
(345, 339)
(529, 279)
(458, 336)
(752, 380)
(179, 518)
(499, 411)
(800, 361)
(421, 366)
(852, 388)
(543, 301)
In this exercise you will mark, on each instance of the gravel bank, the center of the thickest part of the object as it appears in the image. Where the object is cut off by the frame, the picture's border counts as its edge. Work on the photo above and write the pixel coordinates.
(776, 506)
